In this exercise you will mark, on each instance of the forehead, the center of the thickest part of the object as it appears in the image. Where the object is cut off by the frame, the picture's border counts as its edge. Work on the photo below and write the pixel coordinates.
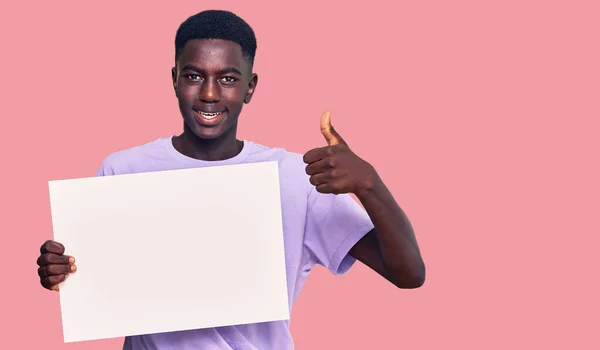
(212, 53)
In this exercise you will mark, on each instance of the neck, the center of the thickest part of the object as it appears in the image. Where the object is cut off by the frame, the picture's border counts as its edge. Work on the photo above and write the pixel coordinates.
(223, 147)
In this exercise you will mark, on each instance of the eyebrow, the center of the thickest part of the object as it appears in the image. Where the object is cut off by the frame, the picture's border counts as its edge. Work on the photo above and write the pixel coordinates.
(222, 71)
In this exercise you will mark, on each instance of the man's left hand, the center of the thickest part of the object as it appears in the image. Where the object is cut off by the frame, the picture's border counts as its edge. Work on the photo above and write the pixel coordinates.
(335, 168)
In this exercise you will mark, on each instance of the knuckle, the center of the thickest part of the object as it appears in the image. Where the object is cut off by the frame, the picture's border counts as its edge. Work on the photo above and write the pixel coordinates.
(45, 245)
(43, 259)
(48, 258)
(326, 188)
(54, 280)
(313, 180)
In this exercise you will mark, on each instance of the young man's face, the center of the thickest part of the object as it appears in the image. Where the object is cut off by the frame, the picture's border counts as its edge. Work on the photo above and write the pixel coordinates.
(212, 82)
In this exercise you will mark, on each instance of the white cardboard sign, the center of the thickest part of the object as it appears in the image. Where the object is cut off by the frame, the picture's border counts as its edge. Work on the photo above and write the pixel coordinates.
(171, 250)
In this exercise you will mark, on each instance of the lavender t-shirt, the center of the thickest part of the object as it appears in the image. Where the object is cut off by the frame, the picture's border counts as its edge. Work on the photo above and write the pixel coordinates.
(318, 229)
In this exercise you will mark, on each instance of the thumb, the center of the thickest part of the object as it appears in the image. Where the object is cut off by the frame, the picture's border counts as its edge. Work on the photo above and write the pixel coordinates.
(332, 137)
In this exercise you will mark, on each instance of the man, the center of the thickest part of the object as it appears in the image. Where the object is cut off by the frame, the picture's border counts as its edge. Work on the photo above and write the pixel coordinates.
(213, 78)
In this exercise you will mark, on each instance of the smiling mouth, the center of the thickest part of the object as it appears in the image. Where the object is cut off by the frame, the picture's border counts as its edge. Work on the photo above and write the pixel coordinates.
(210, 116)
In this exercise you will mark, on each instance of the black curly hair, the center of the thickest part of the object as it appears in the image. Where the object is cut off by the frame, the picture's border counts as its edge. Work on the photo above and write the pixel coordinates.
(217, 24)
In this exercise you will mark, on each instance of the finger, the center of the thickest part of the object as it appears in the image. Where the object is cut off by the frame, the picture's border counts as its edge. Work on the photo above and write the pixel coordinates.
(52, 247)
(50, 258)
(317, 154)
(326, 129)
(319, 179)
(331, 136)
(53, 270)
(52, 282)
(320, 166)
(324, 188)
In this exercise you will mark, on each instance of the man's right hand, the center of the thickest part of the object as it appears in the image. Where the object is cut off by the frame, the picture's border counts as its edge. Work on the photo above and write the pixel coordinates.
(54, 266)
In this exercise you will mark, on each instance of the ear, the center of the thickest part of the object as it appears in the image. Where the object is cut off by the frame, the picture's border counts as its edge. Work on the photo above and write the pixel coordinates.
(251, 88)
(174, 78)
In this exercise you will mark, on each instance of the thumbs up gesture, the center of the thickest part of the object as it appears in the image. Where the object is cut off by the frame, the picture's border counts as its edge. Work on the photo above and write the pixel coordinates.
(335, 168)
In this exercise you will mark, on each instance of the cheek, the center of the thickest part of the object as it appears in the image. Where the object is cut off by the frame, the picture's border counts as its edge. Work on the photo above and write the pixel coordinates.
(234, 96)
(186, 94)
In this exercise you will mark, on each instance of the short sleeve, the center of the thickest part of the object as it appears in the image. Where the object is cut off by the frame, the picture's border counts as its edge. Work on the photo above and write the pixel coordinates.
(104, 169)
(334, 224)
(101, 171)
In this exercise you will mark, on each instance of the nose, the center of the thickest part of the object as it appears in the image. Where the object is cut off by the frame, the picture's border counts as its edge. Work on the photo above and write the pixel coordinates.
(209, 91)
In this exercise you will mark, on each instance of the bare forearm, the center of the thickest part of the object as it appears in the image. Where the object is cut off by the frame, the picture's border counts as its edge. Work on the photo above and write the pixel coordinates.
(398, 246)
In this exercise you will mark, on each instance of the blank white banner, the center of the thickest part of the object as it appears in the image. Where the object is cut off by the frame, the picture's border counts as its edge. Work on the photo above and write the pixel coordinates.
(171, 250)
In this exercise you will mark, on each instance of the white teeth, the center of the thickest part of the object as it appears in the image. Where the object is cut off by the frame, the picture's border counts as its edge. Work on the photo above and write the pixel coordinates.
(209, 115)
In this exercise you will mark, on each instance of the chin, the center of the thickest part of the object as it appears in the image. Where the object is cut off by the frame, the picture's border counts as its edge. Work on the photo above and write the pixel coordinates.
(206, 133)
(209, 133)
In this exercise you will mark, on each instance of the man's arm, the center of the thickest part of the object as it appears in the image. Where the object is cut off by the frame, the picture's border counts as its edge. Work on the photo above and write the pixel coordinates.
(391, 248)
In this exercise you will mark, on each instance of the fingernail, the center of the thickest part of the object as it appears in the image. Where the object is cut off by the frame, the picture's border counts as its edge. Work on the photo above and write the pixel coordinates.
(71, 260)
(73, 268)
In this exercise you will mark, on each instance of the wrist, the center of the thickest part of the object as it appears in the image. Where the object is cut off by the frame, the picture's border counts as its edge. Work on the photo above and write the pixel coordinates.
(369, 187)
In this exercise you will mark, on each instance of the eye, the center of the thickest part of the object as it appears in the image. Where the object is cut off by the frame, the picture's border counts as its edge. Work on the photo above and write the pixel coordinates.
(193, 77)
(228, 80)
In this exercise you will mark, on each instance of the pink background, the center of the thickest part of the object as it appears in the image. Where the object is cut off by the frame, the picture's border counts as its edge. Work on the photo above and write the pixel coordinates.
(482, 117)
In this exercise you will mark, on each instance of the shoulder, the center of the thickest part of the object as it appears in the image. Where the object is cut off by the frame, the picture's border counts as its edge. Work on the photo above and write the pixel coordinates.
(291, 164)
(287, 159)
(293, 179)
(126, 160)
